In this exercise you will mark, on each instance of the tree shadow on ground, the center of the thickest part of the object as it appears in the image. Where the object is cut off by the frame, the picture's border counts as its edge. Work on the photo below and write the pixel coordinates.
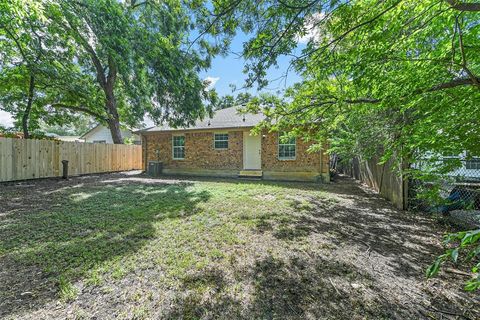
(357, 218)
(50, 239)
(392, 245)
(292, 287)
(203, 296)
(286, 274)
(303, 287)
(296, 185)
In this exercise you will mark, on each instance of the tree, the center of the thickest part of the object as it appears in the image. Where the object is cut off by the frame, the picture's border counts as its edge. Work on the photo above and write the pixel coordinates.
(399, 77)
(38, 68)
(401, 64)
(76, 127)
(136, 54)
(21, 53)
(119, 60)
(228, 101)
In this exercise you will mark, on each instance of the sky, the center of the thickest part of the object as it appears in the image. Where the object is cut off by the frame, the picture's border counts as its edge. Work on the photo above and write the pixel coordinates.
(226, 71)
(6, 119)
(229, 70)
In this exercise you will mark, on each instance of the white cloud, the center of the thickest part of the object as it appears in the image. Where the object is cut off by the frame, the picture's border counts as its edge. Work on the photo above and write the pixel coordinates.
(6, 119)
(211, 81)
(148, 122)
(311, 28)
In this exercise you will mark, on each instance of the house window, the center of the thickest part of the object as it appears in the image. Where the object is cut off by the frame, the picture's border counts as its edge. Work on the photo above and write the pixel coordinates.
(221, 140)
(287, 147)
(178, 143)
(473, 163)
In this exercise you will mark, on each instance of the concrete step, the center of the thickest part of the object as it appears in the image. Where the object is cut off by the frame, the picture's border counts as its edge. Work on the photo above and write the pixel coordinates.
(250, 174)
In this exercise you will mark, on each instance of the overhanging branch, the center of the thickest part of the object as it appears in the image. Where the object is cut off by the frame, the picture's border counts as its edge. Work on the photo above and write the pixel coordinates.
(78, 109)
(451, 84)
(439, 87)
(464, 6)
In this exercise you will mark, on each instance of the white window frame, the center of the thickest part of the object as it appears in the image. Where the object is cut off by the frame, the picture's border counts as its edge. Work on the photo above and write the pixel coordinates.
(279, 143)
(215, 140)
(173, 146)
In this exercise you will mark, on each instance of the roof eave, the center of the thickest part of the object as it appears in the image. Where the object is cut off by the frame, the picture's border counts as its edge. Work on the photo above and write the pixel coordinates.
(193, 129)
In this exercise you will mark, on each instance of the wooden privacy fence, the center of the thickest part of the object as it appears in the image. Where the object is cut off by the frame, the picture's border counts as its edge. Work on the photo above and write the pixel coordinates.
(22, 159)
(381, 177)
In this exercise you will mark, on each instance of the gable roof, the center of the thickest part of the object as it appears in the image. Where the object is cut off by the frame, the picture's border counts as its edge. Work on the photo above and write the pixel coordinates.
(222, 119)
(99, 126)
(90, 131)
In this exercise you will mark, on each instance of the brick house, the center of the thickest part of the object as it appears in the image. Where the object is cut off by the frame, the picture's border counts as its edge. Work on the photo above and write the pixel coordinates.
(224, 146)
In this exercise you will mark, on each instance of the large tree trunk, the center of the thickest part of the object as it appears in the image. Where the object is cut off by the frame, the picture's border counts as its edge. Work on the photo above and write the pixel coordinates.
(113, 118)
(114, 126)
(111, 102)
(28, 108)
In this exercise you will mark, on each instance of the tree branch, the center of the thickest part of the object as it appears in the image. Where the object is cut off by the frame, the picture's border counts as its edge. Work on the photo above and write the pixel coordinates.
(22, 52)
(464, 6)
(451, 84)
(346, 33)
(134, 4)
(462, 52)
(79, 109)
(93, 55)
(112, 73)
(294, 7)
(439, 87)
(217, 18)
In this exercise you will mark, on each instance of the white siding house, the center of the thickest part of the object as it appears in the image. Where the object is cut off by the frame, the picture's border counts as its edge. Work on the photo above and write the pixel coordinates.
(69, 138)
(101, 134)
(469, 169)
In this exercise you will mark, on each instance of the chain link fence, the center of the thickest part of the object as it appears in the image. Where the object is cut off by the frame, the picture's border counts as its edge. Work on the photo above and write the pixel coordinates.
(449, 186)
(455, 189)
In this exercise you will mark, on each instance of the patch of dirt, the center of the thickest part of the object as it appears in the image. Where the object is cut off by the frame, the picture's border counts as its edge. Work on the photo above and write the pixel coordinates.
(266, 197)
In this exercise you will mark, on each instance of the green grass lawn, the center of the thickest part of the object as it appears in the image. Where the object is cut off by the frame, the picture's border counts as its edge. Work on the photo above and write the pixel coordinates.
(100, 233)
(179, 250)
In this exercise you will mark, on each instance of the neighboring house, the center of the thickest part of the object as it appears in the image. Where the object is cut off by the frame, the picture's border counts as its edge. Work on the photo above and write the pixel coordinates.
(224, 146)
(469, 170)
(69, 138)
(101, 134)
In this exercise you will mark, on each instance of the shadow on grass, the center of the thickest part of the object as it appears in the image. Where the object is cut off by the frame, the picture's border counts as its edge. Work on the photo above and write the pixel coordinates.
(44, 250)
(293, 287)
(296, 185)
(356, 218)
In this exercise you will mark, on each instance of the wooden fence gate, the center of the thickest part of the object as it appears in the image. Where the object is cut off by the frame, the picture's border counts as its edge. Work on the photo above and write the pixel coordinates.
(22, 159)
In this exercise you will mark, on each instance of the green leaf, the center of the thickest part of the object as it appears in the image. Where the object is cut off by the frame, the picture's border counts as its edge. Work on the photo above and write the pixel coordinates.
(454, 254)
(434, 268)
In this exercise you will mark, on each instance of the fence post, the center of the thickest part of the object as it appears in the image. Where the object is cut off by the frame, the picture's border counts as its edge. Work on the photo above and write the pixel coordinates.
(65, 169)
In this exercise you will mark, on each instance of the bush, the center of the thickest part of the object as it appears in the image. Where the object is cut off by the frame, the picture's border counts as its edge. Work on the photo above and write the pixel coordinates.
(464, 244)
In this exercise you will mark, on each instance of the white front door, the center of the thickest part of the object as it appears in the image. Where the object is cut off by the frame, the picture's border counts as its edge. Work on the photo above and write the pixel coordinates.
(252, 151)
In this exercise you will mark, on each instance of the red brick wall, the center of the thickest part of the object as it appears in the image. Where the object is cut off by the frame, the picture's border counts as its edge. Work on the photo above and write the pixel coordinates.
(304, 161)
(200, 153)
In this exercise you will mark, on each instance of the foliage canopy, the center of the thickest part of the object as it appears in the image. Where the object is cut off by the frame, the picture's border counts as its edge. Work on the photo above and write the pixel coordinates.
(394, 77)
(114, 60)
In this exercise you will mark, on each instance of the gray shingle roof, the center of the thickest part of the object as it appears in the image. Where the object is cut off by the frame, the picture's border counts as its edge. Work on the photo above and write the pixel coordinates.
(222, 119)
